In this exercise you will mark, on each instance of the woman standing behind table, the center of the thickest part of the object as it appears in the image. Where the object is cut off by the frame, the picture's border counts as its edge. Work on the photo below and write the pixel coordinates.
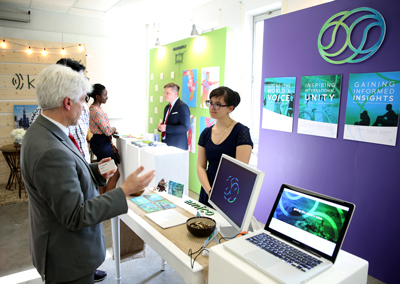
(102, 131)
(226, 136)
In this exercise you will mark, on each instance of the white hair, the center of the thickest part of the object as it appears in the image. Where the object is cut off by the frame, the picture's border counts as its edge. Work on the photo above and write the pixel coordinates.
(56, 82)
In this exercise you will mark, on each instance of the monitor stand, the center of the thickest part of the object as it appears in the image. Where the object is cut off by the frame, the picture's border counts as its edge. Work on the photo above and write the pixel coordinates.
(229, 232)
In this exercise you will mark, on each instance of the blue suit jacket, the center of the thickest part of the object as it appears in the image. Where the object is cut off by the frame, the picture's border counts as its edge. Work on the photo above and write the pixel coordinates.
(177, 125)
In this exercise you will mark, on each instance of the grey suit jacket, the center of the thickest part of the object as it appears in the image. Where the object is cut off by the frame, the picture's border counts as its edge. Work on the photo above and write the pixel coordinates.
(65, 209)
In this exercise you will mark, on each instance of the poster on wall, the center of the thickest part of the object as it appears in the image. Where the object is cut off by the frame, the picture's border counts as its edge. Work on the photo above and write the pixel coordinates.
(23, 115)
(191, 136)
(278, 103)
(319, 105)
(189, 87)
(209, 82)
(373, 104)
(206, 122)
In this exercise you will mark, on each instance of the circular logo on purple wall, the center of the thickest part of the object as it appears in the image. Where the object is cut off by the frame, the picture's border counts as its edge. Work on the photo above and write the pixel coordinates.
(232, 189)
(357, 46)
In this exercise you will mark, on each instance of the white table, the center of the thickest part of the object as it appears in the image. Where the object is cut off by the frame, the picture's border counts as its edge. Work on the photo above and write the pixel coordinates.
(225, 267)
(167, 251)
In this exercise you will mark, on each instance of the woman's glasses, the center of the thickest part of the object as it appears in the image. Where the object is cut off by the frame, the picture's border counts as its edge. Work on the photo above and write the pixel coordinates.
(215, 106)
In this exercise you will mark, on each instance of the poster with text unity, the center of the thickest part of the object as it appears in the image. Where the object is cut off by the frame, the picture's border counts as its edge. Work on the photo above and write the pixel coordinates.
(373, 105)
(319, 105)
(278, 103)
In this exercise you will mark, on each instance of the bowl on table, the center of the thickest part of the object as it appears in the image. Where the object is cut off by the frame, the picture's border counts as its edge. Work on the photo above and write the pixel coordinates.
(201, 226)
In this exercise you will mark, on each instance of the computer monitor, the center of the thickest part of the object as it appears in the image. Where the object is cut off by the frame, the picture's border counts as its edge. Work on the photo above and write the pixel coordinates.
(234, 194)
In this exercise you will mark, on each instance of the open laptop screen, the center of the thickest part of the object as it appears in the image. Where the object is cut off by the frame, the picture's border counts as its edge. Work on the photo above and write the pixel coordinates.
(318, 222)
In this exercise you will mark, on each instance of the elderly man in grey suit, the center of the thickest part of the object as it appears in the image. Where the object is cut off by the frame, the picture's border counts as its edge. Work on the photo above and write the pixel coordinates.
(65, 209)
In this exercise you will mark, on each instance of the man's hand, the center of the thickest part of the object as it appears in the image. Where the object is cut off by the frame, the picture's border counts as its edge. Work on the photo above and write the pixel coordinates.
(109, 174)
(162, 127)
(134, 183)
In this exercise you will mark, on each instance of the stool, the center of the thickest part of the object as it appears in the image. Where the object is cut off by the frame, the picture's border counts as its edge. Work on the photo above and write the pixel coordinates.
(11, 154)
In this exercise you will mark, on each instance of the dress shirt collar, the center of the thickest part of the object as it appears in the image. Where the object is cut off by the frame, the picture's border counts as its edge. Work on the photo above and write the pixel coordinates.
(62, 127)
(173, 103)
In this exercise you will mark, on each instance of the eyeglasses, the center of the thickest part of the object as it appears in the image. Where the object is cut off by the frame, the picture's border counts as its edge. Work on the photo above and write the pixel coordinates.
(215, 106)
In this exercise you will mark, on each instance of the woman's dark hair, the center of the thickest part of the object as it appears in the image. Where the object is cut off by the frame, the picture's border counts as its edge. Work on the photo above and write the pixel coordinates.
(231, 97)
(97, 91)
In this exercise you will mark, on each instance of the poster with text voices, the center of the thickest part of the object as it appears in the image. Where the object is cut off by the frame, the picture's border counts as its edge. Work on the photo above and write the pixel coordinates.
(278, 103)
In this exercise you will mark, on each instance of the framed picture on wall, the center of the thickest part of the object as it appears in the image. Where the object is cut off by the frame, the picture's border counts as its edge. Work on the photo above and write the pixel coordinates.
(209, 82)
(189, 87)
(23, 115)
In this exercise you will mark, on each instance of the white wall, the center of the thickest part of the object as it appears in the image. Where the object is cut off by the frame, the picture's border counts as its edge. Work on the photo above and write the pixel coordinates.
(115, 58)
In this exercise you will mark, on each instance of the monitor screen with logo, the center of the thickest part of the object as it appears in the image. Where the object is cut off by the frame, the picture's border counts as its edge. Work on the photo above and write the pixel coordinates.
(234, 194)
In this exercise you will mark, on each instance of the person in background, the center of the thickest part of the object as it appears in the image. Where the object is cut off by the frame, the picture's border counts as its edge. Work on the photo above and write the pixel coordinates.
(102, 131)
(81, 129)
(226, 136)
(176, 122)
(66, 212)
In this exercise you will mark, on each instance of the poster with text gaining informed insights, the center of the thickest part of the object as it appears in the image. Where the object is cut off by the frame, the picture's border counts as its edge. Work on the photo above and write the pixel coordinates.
(319, 105)
(373, 104)
(278, 103)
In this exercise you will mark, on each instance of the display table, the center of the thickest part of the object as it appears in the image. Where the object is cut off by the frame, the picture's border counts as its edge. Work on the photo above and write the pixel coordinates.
(225, 267)
(11, 154)
(169, 163)
(167, 248)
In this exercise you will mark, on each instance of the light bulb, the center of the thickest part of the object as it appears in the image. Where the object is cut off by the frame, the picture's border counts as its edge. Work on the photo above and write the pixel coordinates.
(80, 48)
(63, 51)
(29, 51)
(3, 44)
(44, 52)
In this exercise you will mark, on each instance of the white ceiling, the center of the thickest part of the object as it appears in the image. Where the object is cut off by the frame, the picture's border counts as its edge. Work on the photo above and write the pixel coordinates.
(99, 8)
(91, 8)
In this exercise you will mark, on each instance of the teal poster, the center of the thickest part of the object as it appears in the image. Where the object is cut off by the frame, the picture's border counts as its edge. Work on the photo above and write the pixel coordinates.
(278, 103)
(373, 104)
(189, 87)
(319, 105)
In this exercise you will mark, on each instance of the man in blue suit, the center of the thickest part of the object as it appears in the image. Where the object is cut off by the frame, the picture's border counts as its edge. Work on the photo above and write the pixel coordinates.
(176, 121)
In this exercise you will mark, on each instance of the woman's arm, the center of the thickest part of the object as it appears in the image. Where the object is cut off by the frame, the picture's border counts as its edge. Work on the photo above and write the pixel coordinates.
(243, 153)
(201, 169)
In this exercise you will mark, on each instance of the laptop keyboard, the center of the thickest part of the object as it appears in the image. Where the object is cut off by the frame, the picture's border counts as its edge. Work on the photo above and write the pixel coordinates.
(285, 252)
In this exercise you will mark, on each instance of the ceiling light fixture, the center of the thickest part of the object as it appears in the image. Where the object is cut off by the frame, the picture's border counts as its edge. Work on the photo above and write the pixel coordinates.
(194, 32)
(3, 44)
(157, 44)
(29, 50)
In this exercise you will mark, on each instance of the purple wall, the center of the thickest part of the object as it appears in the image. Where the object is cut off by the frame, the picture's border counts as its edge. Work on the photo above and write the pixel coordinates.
(363, 173)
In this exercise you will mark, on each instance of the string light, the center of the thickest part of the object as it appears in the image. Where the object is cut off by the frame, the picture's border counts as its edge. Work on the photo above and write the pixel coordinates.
(30, 49)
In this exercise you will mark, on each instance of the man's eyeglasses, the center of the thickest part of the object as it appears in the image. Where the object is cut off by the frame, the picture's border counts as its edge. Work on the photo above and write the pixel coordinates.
(215, 106)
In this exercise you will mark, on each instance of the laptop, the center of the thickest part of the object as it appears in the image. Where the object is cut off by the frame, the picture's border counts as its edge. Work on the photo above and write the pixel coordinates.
(302, 237)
